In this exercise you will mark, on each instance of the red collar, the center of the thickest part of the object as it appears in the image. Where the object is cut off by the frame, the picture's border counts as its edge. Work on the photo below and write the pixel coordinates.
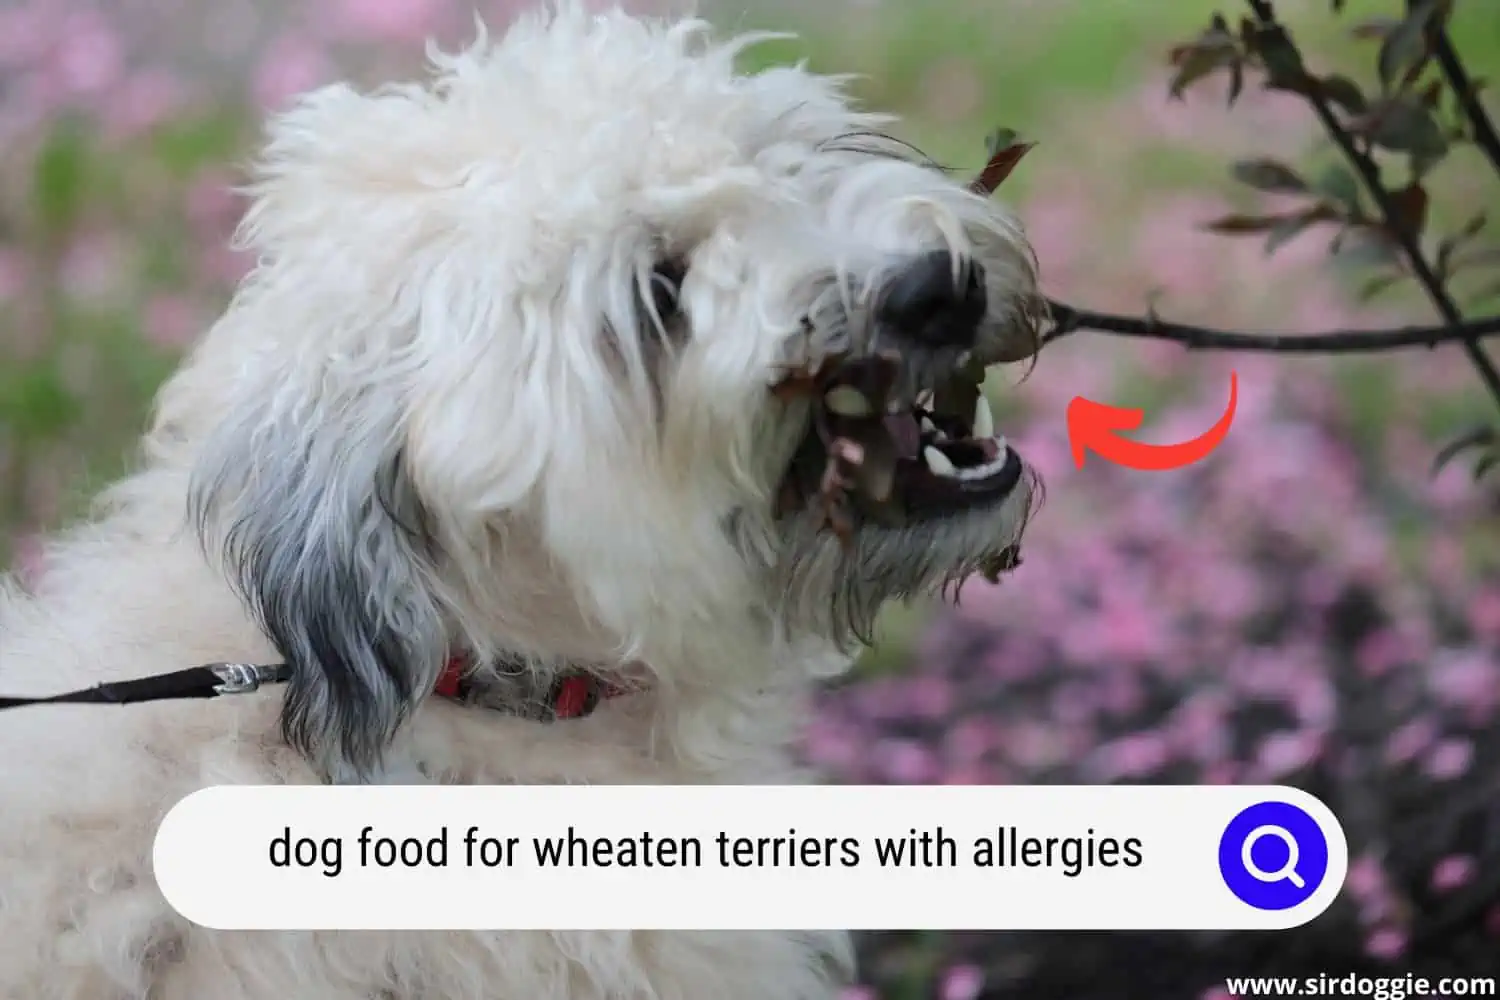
(571, 697)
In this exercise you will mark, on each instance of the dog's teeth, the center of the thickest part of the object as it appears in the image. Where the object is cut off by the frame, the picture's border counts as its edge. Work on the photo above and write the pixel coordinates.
(938, 462)
(929, 426)
(924, 399)
(984, 420)
(847, 401)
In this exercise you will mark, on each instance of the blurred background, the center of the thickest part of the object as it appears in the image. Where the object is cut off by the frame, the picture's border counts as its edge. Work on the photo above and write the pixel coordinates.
(1309, 606)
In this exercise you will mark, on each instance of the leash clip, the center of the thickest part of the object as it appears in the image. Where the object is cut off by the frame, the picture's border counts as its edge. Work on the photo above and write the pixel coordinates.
(241, 678)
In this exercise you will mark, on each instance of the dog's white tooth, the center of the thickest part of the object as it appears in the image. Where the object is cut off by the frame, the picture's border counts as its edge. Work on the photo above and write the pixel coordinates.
(924, 399)
(847, 401)
(929, 426)
(984, 420)
(938, 462)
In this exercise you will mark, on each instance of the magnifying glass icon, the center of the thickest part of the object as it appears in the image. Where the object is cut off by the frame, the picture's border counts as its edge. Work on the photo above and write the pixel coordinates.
(1288, 871)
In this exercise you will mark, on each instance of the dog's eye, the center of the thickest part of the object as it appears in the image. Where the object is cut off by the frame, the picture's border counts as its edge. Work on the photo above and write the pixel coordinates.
(666, 286)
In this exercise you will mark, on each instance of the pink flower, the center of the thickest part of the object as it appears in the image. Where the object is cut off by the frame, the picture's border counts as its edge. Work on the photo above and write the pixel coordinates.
(291, 66)
(1449, 759)
(13, 268)
(1386, 944)
(1410, 740)
(170, 322)
(962, 982)
(904, 762)
(1281, 754)
(411, 21)
(144, 101)
(88, 57)
(1453, 872)
(1366, 878)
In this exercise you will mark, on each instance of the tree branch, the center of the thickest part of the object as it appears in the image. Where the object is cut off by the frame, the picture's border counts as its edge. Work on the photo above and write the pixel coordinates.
(1369, 172)
(1485, 136)
(1069, 319)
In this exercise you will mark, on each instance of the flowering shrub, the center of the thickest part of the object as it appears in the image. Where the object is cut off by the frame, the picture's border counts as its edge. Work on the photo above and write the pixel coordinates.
(1264, 617)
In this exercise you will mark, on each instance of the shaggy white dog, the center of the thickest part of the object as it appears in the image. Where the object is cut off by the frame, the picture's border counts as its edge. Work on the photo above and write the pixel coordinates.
(499, 386)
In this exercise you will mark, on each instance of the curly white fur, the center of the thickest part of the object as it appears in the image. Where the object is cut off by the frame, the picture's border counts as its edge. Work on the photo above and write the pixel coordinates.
(443, 413)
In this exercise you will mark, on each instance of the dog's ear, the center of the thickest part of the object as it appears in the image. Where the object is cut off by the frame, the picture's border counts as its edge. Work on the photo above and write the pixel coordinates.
(318, 525)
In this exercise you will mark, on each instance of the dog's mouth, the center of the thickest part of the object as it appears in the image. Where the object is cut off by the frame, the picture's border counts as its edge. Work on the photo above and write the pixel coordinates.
(897, 456)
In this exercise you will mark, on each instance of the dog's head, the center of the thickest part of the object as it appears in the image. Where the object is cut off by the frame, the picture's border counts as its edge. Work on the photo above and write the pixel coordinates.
(513, 371)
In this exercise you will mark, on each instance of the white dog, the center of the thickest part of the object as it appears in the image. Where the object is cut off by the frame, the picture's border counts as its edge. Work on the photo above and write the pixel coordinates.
(499, 389)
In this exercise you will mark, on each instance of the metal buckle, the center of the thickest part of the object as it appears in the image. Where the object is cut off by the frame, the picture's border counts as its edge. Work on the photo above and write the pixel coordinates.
(240, 678)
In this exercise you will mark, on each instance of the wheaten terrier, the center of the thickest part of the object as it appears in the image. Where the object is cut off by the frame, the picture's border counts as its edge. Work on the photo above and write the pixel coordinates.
(588, 360)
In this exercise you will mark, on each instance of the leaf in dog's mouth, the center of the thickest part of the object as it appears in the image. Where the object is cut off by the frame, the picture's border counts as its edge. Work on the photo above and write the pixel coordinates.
(889, 458)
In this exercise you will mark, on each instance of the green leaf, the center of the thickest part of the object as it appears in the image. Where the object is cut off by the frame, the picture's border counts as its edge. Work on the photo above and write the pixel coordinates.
(1338, 183)
(1485, 464)
(1269, 175)
(1405, 45)
(1402, 124)
(1345, 93)
(1378, 284)
(1287, 230)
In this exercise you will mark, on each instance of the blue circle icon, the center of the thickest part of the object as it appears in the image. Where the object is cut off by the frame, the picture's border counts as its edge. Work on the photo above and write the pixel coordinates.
(1273, 855)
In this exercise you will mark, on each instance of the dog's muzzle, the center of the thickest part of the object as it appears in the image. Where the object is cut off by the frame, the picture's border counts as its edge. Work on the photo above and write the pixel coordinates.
(901, 430)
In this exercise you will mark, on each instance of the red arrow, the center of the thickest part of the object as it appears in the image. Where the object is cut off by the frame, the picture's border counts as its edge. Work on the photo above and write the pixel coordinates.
(1093, 426)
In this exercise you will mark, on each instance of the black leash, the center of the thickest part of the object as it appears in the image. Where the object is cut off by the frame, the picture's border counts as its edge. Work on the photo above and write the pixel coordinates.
(208, 681)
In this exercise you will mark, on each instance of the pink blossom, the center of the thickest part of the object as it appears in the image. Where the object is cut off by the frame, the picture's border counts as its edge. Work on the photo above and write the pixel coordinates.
(1449, 759)
(904, 762)
(962, 982)
(1282, 754)
(1453, 872)
(1386, 944)
(400, 21)
(170, 321)
(291, 66)
(88, 55)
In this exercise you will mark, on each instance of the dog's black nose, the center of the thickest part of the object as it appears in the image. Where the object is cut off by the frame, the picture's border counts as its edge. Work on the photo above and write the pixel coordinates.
(936, 300)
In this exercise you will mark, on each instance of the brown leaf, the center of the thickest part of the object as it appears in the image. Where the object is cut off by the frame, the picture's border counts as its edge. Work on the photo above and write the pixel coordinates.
(1239, 225)
(1005, 152)
(1269, 175)
(1375, 27)
(1214, 49)
(1409, 206)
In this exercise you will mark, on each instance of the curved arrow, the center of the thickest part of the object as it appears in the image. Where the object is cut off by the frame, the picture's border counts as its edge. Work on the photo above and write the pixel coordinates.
(1094, 427)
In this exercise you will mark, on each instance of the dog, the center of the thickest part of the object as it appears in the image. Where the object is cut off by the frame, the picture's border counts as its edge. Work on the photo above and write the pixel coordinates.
(507, 390)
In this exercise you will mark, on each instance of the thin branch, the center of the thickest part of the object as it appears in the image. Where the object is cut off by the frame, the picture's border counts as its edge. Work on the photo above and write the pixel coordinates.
(1068, 319)
(1467, 93)
(1369, 172)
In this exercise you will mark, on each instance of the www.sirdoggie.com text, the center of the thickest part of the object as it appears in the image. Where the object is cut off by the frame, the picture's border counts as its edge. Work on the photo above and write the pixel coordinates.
(1006, 847)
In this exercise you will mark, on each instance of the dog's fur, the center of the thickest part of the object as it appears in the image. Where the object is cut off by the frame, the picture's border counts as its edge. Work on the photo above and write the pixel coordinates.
(447, 411)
